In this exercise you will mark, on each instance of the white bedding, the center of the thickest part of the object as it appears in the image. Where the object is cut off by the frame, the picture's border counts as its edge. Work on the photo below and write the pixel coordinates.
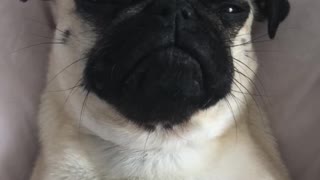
(290, 72)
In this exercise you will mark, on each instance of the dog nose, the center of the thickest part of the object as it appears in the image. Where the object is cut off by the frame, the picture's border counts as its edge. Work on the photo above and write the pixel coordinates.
(171, 11)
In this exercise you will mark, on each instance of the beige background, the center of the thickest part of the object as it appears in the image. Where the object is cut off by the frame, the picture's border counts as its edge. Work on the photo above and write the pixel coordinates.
(290, 71)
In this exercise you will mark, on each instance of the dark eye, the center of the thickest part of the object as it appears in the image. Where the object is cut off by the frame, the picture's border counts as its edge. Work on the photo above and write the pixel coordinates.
(231, 9)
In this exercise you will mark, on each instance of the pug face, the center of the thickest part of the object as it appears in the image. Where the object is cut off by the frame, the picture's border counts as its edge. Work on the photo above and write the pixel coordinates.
(161, 65)
(158, 62)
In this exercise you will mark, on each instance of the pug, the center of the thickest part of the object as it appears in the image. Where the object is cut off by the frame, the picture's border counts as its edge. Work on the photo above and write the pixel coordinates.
(156, 90)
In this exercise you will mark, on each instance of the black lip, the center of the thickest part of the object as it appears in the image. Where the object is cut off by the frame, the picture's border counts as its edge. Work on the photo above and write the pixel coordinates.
(142, 58)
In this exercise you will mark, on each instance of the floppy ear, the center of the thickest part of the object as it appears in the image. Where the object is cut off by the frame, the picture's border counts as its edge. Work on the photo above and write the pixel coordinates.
(23, 0)
(275, 11)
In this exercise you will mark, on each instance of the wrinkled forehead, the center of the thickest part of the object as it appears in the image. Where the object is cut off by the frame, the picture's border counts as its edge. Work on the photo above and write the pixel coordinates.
(67, 12)
(71, 3)
(226, 1)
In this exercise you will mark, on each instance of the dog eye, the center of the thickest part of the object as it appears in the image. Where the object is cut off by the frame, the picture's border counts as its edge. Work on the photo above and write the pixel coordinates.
(231, 9)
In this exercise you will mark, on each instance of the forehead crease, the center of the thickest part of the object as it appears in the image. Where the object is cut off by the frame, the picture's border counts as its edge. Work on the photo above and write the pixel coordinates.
(221, 1)
(230, 1)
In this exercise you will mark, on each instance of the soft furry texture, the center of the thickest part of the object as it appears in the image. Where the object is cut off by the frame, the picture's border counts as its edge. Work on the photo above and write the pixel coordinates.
(85, 138)
(285, 63)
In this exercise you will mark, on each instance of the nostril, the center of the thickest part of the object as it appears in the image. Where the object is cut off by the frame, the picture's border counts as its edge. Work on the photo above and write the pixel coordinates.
(186, 14)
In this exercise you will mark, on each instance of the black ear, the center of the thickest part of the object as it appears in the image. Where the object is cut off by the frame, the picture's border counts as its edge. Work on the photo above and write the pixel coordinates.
(23, 0)
(275, 11)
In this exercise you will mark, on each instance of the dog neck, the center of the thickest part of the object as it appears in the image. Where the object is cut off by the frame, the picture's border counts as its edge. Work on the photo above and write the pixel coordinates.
(156, 157)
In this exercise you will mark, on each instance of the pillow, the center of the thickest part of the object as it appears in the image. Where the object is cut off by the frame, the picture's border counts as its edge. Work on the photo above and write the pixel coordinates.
(290, 72)
(22, 75)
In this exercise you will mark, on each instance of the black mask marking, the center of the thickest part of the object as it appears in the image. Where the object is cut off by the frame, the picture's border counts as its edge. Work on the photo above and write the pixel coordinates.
(160, 61)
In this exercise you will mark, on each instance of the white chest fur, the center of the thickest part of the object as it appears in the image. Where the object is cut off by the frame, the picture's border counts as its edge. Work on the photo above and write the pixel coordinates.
(85, 157)
(237, 160)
